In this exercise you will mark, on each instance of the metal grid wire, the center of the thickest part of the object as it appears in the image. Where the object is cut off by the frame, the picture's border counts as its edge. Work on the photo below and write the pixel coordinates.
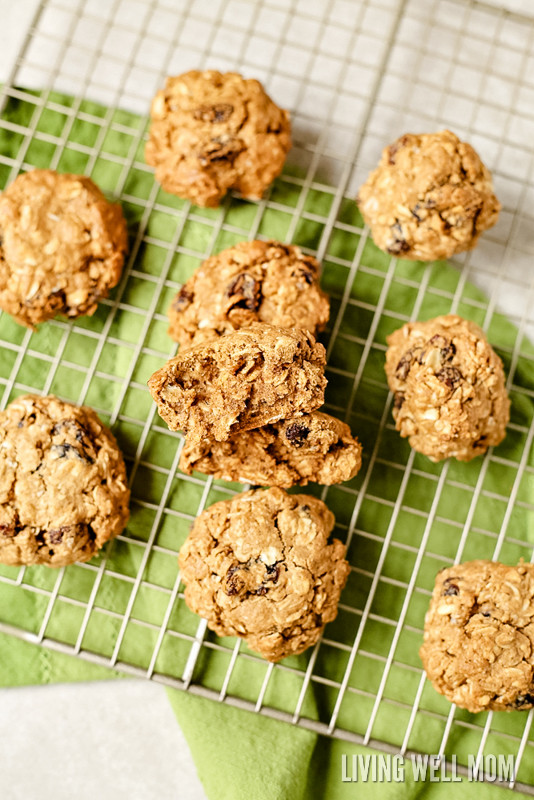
(354, 75)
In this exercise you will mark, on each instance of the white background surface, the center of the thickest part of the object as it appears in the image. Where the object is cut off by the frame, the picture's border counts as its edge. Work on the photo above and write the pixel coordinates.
(93, 741)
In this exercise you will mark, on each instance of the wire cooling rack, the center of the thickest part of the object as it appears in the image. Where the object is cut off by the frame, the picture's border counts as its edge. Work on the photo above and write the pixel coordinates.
(354, 75)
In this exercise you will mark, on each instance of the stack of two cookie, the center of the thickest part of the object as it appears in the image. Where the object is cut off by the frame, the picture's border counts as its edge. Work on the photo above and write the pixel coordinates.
(245, 389)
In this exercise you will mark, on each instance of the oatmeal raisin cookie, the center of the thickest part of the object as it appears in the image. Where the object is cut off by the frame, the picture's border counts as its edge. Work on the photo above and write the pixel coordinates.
(430, 197)
(249, 378)
(313, 447)
(449, 388)
(259, 567)
(63, 488)
(251, 282)
(62, 246)
(214, 131)
(478, 646)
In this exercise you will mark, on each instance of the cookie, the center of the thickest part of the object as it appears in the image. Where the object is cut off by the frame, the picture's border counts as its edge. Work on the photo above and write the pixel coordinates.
(249, 378)
(479, 636)
(63, 488)
(430, 197)
(251, 282)
(313, 447)
(214, 131)
(259, 567)
(449, 388)
(62, 246)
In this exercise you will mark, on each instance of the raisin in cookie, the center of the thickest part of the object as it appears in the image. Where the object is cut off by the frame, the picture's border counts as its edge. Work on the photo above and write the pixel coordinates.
(259, 566)
(313, 447)
(449, 388)
(244, 380)
(430, 197)
(478, 646)
(63, 490)
(62, 246)
(214, 131)
(251, 282)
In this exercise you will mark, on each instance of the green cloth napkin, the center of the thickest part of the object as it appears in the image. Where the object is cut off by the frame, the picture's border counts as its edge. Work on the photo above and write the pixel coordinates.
(239, 754)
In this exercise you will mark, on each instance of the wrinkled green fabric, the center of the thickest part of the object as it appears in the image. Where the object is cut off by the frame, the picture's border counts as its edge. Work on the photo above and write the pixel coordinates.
(239, 754)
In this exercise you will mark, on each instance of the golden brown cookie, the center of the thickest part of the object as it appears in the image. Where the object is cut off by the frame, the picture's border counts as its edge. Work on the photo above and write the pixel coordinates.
(259, 566)
(214, 131)
(249, 378)
(62, 246)
(449, 388)
(63, 488)
(478, 646)
(313, 447)
(251, 282)
(430, 197)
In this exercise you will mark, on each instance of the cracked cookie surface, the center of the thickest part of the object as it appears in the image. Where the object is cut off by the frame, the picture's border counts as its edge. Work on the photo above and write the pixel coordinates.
(450, 396)
(214, 131)
(246, 379)
(63, 488)
(430, 197)
(478, 646)
(313, 447)
(62, 246)
(251, 282)
(259, 567)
